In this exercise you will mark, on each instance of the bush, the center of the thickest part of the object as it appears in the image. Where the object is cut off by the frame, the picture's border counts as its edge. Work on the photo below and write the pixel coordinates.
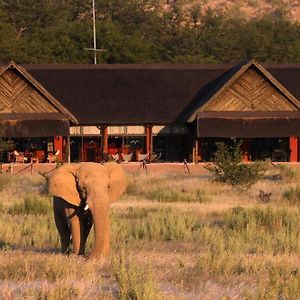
(228, 166)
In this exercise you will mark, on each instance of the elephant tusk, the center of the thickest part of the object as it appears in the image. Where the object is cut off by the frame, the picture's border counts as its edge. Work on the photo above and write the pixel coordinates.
(86, 207)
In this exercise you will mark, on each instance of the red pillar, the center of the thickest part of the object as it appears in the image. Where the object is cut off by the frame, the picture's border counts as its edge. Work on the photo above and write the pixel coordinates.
(199, 154)
(104, 134)
(245, 150)
(58, 145)
(149, 139)
(293, 149)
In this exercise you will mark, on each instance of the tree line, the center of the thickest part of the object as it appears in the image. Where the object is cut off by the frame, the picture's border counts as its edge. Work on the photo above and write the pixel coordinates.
(140, 31)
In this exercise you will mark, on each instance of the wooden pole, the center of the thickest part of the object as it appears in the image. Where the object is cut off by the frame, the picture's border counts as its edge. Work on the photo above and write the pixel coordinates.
(104, 140)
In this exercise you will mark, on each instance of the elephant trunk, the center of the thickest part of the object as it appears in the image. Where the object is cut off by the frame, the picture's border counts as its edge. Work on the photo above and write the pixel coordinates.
(100, 212)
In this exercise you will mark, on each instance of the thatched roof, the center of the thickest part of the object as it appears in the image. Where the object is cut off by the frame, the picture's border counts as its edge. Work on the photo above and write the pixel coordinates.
(126, 94)
(248, 124)
(145, 94)
(34, 125)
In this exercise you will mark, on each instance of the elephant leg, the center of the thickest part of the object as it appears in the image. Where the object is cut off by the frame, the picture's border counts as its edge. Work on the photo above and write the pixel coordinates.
(61, 224)
(86, 222)
(76, 230)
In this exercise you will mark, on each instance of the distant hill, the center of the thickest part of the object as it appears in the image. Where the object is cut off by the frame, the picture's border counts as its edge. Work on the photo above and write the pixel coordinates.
(247, 9)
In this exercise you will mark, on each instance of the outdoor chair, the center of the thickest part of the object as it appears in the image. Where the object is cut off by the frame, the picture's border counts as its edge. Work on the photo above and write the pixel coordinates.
(53, 158)
(115, 157)
(142, 157)
(155, 156)
(127, 157)
(19, 157)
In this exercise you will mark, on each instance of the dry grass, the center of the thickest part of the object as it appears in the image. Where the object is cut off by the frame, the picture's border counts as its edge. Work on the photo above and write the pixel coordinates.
(174, 236)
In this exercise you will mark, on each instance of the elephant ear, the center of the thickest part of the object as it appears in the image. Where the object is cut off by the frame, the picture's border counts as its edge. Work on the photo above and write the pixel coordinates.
(62, 183)
(117, 181)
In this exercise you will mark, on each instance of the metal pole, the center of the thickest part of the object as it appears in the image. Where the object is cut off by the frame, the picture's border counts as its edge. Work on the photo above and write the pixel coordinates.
(94, 32)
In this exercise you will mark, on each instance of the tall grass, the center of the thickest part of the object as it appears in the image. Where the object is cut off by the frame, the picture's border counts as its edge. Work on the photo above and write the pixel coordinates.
(5, 181)
(39, 276)
(172, 189)
(253, 230)
(175, 195)
(259, 244)
(287, 173)
(134, 282)
(31, 204)
(292, 195)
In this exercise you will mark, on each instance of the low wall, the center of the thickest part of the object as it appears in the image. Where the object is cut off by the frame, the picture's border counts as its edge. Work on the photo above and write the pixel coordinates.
(17, 168)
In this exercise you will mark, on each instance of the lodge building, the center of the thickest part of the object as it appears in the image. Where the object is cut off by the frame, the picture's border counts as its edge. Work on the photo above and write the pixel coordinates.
(179, 111)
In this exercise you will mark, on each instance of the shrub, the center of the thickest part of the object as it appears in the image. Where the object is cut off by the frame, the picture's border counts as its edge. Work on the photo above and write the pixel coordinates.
(228, 166)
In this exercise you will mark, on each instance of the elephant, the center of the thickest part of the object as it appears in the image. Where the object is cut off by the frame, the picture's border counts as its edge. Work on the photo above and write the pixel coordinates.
(82, 194)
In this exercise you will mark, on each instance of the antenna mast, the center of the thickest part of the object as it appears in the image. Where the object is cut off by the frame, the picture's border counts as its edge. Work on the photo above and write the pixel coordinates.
(94, 49)
(94, 32)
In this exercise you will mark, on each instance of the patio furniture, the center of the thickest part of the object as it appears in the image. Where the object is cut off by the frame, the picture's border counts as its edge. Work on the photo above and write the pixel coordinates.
(127, 157)
(155, 156)
(10, 157)
(115, 157)
(38, 157)
(142, 157)
(19, 157)
(280, 155)
(53, 158)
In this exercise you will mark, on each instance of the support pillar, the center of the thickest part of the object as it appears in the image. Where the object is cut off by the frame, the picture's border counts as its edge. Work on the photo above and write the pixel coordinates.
(245, 150)
(149, 147)
(104, 140)
(58, 145)
(68, 149)
(199, 150)
(195, 152)
(293, 149)
(81, 149)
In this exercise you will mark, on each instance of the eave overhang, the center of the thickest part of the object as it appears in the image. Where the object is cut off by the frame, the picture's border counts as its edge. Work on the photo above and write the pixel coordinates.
(248, 124)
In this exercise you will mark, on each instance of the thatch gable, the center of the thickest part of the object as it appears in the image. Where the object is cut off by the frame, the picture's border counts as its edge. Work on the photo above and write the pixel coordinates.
(249, 88)
(20, 93)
